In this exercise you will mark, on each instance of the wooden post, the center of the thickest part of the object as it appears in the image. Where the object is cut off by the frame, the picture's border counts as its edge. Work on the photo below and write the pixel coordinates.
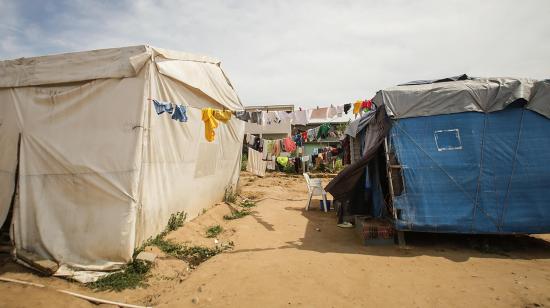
(401, 239)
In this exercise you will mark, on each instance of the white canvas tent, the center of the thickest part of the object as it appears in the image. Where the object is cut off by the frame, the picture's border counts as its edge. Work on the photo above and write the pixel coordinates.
(99, 170)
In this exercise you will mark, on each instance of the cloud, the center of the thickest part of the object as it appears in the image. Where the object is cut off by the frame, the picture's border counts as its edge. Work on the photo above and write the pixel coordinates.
(307, 53)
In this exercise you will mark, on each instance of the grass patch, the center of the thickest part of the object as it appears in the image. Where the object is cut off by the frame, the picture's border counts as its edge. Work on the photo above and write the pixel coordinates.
(248, 204)
(237, 214)
(213, 231)
(132, 276)
(194, 255)
(176, 221)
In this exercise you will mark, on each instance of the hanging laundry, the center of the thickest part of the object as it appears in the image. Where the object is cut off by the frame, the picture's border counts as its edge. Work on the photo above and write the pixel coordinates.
(332, 112)
(315, 133)
(357, 107)
(282, 160)
(263, 117)
(255, 164)
(298, 139)
(210, 117)
(162, 107)
(319, 113)
(369, 104)
(256, 117)
(268, 146)
(252, 140)
(310, 134)
(180, 114)
(366, 105)
(289, 145)
(257, 144)
(273, 117)
(347, 107)
(210, 123)
(304, 136)
(323, 131)
(271, 163)
(242, 115)
(277, 147)
(283, 115)
(300, 117)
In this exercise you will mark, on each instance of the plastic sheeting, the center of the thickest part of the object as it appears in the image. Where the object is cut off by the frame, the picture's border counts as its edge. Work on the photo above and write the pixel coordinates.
(474, 173)
(346, 181)
(480, 95)
(540, 100)
(100, 172)
(358, 125)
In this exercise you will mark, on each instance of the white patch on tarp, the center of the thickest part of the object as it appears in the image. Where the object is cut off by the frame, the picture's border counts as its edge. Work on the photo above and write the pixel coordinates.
(448, 140)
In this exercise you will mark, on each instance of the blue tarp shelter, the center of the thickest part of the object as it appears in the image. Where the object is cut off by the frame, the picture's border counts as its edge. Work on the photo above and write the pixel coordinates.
(465, 156)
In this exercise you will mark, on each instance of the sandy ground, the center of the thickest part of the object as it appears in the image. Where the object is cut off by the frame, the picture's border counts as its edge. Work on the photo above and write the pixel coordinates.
(285, 256)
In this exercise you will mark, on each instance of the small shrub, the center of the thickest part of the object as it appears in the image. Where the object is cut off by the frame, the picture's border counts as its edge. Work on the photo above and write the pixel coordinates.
(176, 221)
(229, 196)
(248, 204)
(213, 231)
(132, 276)
(236, 214)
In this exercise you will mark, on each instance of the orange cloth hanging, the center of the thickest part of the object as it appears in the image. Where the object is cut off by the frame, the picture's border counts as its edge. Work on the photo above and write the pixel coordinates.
(357, 107)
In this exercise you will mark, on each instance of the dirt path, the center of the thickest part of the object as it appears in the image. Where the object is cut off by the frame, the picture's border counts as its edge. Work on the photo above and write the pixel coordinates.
(285, 256)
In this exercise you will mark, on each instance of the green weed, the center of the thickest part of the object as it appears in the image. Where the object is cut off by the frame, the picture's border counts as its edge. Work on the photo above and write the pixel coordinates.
(236, 214)
(194, 255)
(132, 276)
(248, 203)
(213, 231)
(176, 221)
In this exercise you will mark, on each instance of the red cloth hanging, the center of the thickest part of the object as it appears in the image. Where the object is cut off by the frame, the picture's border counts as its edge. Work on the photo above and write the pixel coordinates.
(290, 146)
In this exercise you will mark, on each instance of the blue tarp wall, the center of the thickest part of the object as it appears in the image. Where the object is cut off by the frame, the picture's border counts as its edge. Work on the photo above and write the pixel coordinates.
(474, 172)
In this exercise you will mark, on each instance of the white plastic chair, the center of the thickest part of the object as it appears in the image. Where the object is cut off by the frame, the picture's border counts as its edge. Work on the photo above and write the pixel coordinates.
(315, 188)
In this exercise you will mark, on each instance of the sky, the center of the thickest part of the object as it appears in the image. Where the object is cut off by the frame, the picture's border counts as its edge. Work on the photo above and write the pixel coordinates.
(306, 53)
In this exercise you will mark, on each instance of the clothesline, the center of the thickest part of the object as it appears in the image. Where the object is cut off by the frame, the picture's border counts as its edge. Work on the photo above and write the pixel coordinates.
(296, 117)
(211, 117)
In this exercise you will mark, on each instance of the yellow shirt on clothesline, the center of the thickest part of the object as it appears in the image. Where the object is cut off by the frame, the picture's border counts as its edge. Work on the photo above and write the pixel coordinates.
(210, 117)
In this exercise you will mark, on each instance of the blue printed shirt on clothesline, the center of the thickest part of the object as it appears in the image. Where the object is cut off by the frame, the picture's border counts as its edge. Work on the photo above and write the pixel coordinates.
(178, 112)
